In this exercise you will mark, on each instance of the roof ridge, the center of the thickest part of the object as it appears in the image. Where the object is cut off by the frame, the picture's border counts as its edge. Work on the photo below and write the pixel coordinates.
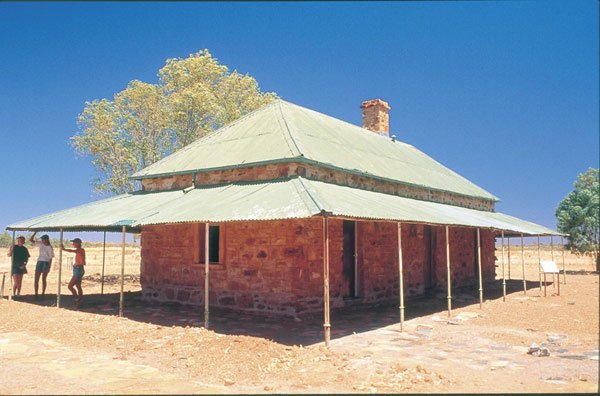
(310, 195)
(289, 133)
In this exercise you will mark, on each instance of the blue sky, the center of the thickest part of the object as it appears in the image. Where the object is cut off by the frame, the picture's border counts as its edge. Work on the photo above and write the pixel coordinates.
(504, 93)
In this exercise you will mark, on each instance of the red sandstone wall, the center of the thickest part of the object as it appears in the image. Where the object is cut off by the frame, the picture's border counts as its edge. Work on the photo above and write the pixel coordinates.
(352, 180)
(167, 183)
(377, 261)
(277, 266)
(273, 266)
(251, 173)
(488, 255)
(462, 256)
(274, 171)
(415, 256)
(167, 270)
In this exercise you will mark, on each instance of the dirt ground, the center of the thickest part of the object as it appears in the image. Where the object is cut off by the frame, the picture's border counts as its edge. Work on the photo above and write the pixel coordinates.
(165, 349)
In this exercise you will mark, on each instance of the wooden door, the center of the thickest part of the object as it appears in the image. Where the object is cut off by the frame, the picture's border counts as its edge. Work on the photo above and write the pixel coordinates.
(348, 258)
(430, 263)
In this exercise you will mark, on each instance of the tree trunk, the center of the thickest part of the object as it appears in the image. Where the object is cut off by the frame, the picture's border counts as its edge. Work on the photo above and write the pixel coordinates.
(597, 262)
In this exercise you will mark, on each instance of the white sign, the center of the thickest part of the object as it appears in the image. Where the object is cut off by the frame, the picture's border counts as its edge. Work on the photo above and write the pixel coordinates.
(549, 267)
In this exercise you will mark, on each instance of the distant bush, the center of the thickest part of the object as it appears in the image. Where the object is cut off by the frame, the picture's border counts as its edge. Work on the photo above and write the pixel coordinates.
(5, 239)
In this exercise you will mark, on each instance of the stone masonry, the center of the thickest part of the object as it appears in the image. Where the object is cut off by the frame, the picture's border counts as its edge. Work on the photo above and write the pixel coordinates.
(277, 266)
(281, 170)
(375, 116)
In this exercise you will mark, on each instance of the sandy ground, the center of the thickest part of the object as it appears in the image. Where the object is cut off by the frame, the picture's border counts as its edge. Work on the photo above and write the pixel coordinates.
(166, 350)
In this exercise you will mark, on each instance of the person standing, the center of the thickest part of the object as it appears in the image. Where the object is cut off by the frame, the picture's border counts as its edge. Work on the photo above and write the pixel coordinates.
(20, 256)
(44, 262)
(78, 270)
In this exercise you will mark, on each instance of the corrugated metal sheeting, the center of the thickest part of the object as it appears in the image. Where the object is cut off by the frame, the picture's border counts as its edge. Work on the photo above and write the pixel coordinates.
(271, 200)
(285, 132)
(108, 214)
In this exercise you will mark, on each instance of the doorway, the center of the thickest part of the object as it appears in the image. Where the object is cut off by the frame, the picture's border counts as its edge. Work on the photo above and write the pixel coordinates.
(349, 263)
(430, 263)
(475, 255)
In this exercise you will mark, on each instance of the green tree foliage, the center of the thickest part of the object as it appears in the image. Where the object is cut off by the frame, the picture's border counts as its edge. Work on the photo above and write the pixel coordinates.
(579, 215)
(5, 240)
(145, 122)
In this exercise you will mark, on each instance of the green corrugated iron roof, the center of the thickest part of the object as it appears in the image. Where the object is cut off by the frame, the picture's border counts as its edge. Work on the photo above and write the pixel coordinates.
(271, 200)
(363, 204)
(107, 214)
(285, 132)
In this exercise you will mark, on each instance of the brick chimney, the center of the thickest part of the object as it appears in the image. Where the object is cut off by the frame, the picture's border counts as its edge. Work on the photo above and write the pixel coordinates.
(375, 115)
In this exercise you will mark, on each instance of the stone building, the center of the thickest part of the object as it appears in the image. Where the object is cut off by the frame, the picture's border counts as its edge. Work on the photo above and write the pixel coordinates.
(277, 266)
(289, 211)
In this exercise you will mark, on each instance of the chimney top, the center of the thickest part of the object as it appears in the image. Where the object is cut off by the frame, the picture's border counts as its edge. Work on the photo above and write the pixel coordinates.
(375, 114)
(375, 102)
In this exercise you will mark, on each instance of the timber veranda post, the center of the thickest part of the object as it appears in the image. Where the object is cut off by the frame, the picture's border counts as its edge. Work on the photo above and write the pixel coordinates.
(552, 255)
(508, 254)
(562, 244)
(12, 258)
(122, 273)
(479, 269)
(2, 287)
(326, 324)
(448, 280)
(539, 263)
(60, 255)
(206, 273)
(401, 276)
(503, 277)
(103, 261)
(523, 264)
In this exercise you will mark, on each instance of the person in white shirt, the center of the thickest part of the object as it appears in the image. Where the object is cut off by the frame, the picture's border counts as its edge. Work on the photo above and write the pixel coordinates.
(44, 261)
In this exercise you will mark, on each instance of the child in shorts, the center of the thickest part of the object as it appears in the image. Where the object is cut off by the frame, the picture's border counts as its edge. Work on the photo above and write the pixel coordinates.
(78, 270)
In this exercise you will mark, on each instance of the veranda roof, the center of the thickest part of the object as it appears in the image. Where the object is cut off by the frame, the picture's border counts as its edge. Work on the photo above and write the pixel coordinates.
(285, 132)
(268, 200)
(107, 214)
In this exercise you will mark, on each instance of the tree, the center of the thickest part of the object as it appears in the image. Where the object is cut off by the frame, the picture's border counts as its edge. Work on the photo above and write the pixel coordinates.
(5, 240)
(579, 215)
(145, 122)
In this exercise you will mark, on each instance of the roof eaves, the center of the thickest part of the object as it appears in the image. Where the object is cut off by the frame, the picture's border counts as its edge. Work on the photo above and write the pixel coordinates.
(305, 192)
(288, 136)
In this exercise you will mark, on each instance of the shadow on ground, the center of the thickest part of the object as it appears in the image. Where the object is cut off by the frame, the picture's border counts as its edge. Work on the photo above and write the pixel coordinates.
(305, 331)
(581, 272)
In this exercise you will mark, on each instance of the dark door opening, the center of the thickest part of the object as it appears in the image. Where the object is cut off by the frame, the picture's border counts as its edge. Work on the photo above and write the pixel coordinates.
(475, 255)
(348, 258)
(430, 264)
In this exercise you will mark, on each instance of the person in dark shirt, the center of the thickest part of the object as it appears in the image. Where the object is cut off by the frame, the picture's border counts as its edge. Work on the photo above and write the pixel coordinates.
(20, 256)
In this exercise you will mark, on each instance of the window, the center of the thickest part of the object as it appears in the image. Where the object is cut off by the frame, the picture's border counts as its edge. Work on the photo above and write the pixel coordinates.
(213, 251)
(215, 248)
